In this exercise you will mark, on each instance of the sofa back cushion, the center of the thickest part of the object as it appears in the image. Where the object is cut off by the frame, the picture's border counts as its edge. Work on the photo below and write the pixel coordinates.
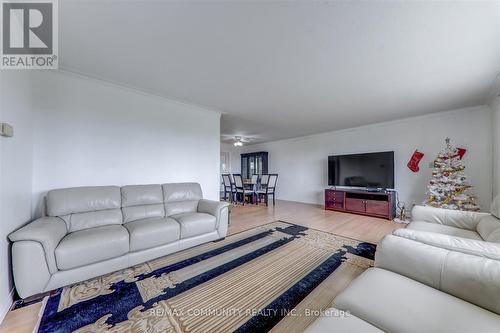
(142, 202)
(86, 207)
(489, 229)
(181, 197)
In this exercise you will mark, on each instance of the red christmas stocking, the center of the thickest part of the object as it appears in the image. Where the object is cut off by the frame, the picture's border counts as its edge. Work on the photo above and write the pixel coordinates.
(415, 160)
(461, 152)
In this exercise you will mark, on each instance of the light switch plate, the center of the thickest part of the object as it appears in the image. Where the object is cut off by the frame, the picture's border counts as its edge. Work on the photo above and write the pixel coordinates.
(6, 130)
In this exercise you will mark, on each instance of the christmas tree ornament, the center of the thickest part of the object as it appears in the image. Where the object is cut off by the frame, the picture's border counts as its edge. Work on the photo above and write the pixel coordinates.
(448, 187)
(402, 212)
(415, 160)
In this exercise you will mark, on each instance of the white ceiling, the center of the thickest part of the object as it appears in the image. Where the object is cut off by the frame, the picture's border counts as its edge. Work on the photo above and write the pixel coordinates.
(279, 69)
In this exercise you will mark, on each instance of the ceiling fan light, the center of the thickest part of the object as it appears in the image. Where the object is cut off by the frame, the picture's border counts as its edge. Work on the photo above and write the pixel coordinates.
(238, 144)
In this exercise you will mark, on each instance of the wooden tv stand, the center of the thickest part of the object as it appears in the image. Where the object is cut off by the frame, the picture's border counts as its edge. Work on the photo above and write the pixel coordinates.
(376, 204)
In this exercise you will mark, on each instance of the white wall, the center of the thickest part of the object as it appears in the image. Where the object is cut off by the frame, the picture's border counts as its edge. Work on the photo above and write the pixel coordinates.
(302, 162)
(93, 133)
(495, 106)
(15, 169)
(234, 156)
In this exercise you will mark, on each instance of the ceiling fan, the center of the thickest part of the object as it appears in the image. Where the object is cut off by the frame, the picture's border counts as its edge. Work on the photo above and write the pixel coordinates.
(238, 141)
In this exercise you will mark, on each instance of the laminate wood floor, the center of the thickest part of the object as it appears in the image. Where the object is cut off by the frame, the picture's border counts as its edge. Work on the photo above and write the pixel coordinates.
(364, 228)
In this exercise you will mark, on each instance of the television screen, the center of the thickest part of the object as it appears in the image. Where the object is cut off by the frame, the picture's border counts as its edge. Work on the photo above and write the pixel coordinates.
(372, 170)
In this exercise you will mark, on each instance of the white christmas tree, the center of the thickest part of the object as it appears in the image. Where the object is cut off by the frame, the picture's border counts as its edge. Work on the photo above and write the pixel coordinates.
(448, 187)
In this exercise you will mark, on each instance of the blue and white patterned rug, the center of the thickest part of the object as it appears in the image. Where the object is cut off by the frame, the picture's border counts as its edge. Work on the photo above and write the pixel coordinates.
(248, 282)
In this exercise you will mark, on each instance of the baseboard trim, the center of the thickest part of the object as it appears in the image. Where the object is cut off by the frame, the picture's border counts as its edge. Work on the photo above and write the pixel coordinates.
(6, 308)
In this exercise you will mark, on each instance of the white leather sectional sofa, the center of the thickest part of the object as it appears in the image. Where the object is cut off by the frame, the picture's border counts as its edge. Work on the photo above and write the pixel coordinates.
(467, 232)
(91, 231)
(469, 225)
(441, 274)
(415, 287)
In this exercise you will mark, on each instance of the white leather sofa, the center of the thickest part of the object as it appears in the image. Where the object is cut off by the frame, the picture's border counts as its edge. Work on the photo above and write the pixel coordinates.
(91, 231)
(467, 232)
(471, 225)
(415, 287)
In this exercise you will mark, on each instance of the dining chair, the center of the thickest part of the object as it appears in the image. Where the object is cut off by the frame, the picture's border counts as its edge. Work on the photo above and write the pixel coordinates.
(264, 179)
(252, 185)
(269, 189)
(241, 191)
(228, 185)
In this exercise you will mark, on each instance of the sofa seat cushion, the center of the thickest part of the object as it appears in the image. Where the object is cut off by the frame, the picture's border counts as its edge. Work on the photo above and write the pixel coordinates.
(444, 229)
(194, 224)
(334, 320)
(395, 303)
(152, 232)
(93, 245)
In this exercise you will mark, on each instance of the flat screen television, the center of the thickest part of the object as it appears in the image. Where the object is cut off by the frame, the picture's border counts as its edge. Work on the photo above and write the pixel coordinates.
(370, 170)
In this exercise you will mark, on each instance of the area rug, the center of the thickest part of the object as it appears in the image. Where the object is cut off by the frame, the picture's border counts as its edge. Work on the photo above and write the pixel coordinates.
(248, 282)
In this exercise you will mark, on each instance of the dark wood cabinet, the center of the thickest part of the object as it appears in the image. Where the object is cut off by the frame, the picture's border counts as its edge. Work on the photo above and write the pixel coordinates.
(355, 205)
(334, 199)
(254, 164)
(377, 207)
(378, 204)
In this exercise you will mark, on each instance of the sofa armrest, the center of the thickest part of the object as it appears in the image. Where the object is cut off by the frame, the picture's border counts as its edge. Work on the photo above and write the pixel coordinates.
(48, 231)
(469, 246)
(218, 209)
(453, 218)
(472, 278)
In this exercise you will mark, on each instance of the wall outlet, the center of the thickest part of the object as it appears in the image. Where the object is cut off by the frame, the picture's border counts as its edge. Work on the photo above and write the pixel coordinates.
(6, 130)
